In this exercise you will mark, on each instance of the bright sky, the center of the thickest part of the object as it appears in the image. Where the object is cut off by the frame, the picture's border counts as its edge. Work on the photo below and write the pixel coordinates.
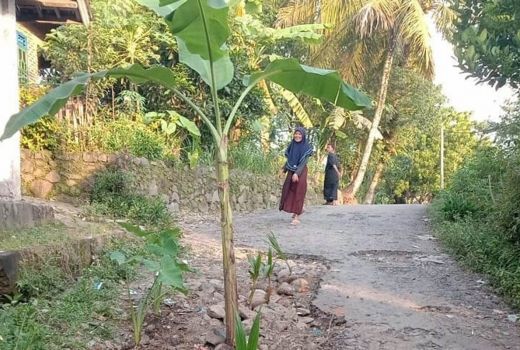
(464, 94)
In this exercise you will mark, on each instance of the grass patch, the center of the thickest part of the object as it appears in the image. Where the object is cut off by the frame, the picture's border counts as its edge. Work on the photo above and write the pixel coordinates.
(55, 233)
(484, 249)
(56, 310)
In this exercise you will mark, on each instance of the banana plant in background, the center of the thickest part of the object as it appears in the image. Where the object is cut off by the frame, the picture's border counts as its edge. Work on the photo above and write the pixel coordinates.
(201, 30)
(170, 122)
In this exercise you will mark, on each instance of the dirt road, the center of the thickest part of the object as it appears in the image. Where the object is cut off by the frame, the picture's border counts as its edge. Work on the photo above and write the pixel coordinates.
(388, 276)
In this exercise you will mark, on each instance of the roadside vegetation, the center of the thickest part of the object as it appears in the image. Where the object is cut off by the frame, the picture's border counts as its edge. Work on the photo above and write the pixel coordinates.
(478, 215)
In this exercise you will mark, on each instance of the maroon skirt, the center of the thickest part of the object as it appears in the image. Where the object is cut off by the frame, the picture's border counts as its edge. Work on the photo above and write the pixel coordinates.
(293, 193)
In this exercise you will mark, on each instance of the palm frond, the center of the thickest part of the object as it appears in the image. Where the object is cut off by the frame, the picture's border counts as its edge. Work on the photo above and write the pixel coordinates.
(444, 17)
(415, 34)
(296, 12)
(336, 12)
(360, 57)
(375, 16)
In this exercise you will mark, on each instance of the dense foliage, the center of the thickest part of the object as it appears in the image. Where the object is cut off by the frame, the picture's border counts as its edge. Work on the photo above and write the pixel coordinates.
(478, 215)
(487, 40)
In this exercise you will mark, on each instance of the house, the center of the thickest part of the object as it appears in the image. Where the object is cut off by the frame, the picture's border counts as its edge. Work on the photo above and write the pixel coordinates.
(22, 24)
(36, 18)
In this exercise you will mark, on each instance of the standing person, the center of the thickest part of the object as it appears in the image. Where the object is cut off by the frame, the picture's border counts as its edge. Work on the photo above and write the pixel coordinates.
(332, 175)
(295, 185)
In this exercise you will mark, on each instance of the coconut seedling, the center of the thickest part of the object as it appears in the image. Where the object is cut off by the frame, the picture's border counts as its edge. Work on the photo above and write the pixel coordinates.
(255, 268)
(268, 269)
(280, 254)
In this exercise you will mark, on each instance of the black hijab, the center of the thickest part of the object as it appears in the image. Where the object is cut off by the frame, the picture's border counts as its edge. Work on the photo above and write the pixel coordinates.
(297, 151)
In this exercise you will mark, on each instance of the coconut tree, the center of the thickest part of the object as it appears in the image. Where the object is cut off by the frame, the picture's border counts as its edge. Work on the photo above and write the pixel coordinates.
(368, 33)
(201, 30)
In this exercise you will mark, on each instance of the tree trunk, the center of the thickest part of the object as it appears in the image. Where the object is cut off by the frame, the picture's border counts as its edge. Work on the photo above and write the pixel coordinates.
(228, 251)
(10, 148)
(370, 196)
(352, 189)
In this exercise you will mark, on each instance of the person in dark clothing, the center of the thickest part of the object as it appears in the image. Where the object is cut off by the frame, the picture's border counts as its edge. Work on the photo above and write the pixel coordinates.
(332, 176)
(295, 185)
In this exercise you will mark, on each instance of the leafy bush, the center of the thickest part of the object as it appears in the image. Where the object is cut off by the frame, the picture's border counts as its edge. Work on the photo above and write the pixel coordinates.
(111, 182)
(249, 156)
(113, 194)
(44, 133)
(508, 202)
(132, 136)
(455, 206)
(145, 143)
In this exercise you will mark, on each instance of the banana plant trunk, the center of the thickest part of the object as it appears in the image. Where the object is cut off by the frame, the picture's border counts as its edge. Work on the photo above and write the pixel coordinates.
(371, 193)
(353, 188)
(228, 250)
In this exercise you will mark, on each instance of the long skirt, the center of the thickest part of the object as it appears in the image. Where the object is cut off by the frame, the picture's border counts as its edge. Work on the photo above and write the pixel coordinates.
(293, 193)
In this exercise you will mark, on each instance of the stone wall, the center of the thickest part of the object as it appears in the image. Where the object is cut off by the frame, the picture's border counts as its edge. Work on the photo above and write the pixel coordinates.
(69, 177)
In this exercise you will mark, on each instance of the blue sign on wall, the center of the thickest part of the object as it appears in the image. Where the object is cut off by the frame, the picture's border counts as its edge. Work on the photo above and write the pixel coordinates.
(21, 39)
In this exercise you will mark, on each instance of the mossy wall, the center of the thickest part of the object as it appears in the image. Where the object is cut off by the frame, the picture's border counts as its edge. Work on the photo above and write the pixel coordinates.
(69, 177)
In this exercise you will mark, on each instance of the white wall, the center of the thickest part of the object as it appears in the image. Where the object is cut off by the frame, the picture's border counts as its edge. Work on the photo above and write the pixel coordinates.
(9, 149)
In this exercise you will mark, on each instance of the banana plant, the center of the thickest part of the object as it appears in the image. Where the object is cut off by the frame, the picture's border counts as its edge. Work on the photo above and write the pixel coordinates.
(201, 30)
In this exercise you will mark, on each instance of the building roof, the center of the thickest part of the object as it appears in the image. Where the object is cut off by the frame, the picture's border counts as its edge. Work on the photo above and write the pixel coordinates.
(40, 16)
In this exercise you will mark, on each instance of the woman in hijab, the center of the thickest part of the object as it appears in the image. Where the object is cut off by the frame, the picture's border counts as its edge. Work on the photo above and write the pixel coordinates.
(295, 185)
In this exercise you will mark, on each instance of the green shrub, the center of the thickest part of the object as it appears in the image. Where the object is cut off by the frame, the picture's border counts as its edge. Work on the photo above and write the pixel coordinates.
(128, 135)
(111, 182)
(145, 143)
(42, 135)
(508, 201)
(113, 194)
(250, 157)
(148, 211)
(455, 206)
(478, 181)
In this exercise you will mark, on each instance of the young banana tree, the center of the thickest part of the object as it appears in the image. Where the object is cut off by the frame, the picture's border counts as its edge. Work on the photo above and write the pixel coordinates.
(201, 30)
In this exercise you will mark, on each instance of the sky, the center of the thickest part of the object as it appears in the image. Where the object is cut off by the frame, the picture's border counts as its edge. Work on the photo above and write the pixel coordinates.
(464, 94)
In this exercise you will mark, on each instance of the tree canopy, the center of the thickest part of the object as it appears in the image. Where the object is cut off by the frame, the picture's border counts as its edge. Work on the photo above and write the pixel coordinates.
(487, 40)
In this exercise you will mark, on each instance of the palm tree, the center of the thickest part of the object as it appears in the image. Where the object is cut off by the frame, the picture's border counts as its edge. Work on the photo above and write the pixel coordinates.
(366, 33)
